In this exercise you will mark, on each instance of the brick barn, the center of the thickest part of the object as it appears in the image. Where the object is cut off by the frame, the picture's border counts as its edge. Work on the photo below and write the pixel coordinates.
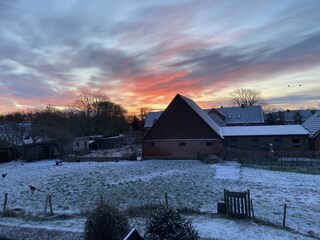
(183, 131)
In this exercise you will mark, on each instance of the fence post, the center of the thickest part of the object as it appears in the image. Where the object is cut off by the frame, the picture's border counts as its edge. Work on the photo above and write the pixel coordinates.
(284, 215)
(249, 203)
(46, 205)
(166, 198)
(252, 209)
(5, 203)
(101, 200)
(50, 204)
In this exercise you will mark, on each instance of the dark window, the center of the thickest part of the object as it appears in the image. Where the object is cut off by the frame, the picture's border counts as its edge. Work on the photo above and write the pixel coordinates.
(209, 143)
(77, 144)
(255, 142)
(152, 144)
(233, 143)
(85, 144)
(182, 144)
(277, 141)
(296, 141)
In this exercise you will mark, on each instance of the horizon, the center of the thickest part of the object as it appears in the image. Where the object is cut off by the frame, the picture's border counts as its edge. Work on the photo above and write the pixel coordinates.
(141, 54)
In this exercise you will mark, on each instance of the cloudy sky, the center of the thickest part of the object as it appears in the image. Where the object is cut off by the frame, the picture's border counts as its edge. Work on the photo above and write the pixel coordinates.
(141, 53)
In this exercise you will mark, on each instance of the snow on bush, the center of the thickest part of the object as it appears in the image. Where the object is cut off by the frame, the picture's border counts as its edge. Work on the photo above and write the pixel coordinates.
(168, 224)
(106, 223)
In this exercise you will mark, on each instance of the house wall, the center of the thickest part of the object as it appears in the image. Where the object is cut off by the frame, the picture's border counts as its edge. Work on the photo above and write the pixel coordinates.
(81, 145)
(181, 149)
(315, 143)
(280, 143)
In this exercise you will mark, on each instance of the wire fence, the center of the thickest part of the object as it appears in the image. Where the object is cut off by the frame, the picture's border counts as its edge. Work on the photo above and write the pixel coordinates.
(276, 158)
(290, 217)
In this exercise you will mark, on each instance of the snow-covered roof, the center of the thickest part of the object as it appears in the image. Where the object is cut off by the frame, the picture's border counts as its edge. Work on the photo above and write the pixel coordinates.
(289, 115)
(264, 130)
(203, 115)
(313, 124)
(241, 115)
(151, 118)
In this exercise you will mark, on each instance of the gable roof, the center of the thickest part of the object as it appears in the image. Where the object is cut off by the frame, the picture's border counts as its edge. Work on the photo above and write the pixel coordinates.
(312, 124)
(203, 115)
(183, 119)
(240, 115)
(273, 130)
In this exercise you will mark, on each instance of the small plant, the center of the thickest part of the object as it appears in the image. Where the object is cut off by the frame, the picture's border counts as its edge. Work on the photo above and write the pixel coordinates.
(168, 224)
(106, 223)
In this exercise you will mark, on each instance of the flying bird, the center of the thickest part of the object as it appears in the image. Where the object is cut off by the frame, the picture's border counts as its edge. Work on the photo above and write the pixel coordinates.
(4, 175)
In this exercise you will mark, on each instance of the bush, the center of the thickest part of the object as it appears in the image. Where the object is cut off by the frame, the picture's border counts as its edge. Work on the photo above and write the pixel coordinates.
(106, 223)
(168, 224)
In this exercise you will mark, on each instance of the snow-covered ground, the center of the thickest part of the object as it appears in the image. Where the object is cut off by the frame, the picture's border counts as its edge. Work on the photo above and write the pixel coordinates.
(77, 187)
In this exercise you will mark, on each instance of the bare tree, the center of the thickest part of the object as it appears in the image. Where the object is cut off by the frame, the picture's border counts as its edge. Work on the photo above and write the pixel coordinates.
(12, 135)
(247, 97)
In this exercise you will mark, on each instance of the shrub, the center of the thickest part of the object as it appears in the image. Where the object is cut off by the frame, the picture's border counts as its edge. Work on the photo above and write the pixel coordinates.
(106, 223)
(167, 224)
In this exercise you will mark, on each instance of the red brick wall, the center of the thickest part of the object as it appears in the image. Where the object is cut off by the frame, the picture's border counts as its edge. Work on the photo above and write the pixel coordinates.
(181, 149)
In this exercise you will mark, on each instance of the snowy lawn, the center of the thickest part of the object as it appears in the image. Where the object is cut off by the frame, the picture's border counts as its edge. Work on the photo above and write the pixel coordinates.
(77, 187)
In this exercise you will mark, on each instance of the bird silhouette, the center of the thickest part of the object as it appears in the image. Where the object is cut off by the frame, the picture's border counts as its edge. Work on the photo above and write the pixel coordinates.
(33, 189)
(4, 175)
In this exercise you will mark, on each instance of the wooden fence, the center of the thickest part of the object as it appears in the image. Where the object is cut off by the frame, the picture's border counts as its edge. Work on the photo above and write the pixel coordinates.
(238, 203)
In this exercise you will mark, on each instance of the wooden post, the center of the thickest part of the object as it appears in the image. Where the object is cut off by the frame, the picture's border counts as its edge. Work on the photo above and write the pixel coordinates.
(249, 203)
(284, 215)
(252, 209)
(166, 198)
(5, 203)
(101, 200)
(50, 204)
(46, 205)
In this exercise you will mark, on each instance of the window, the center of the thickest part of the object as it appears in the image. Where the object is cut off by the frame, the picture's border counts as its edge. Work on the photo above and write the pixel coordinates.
(85, 144)
(296, 141)
(209, 144)
(182, 144)
(152, 144)
(229, 116)
(239, 116)
(255, 142)
(233, 143)
(277, 141)
(77, 144)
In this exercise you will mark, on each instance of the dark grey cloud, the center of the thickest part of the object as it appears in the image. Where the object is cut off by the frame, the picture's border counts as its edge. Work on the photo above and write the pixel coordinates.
(295, 98)
(112, 62)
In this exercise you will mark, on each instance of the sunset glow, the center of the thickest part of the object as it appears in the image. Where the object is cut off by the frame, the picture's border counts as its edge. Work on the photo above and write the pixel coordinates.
(142, 53)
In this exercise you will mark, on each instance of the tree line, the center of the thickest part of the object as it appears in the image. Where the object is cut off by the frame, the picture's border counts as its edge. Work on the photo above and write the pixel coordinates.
(90, 113)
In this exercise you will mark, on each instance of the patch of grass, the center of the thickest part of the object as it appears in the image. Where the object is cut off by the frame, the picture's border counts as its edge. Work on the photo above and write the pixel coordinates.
(3, 238)
(188, 210)
(141, 211)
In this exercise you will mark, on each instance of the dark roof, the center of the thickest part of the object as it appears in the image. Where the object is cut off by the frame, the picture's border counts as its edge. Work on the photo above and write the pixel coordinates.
(312, 124)
(240, 115)
(290, 115)
(133, 235)
(184, 119)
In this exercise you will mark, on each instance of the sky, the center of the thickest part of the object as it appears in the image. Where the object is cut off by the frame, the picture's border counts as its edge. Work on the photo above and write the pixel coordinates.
(142, 53)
